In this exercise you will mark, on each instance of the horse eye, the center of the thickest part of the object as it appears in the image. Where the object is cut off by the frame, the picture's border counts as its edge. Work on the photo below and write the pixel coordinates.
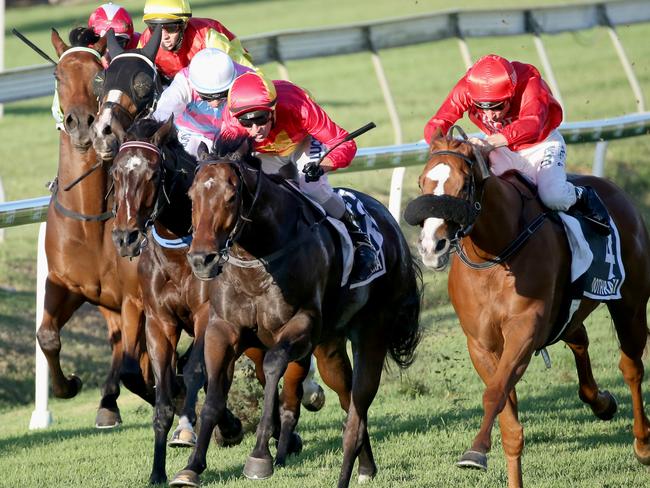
(142, 85)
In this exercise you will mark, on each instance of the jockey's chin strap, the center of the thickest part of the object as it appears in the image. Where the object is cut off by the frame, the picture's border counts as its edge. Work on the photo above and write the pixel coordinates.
(162, 198)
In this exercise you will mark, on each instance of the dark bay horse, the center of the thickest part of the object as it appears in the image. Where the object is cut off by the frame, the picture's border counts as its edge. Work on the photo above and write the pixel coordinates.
(508, 302)
(278, 281)
(82, 263)
(152, 174)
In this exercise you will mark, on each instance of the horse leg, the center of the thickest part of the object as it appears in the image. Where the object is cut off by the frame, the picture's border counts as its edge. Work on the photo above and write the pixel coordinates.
(162, 356)
(220, 356)
(108, 413)
(60, 304)
(602, 403)
(289, 442)
(133, 338)
(369, 351)
(500, 375)
(313, 395)
(632, 330)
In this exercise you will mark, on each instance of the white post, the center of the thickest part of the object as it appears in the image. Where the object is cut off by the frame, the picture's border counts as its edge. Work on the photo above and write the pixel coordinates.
(2, 44)
(41, 416)
(598, 168)
(2, 198)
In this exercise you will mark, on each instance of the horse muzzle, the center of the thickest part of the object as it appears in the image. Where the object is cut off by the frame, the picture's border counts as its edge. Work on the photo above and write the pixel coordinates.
(205, 266)
(129, 243)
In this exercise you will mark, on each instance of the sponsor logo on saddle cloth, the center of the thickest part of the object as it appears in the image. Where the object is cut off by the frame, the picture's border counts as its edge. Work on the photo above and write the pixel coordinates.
(596, 259)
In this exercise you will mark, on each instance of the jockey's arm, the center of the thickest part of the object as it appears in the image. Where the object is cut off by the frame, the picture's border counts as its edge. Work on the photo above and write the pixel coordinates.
(174, 98)
(533, 113)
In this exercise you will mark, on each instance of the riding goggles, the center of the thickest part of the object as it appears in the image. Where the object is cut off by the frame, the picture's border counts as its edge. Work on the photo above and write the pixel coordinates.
(211, 97)
(496, 106)
(171, 28)
(258, 118)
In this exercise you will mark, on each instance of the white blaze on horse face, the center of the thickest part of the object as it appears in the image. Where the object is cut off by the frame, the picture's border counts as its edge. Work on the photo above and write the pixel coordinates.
(105, 117)
(134, 163)
(209, 183)
(439, 174)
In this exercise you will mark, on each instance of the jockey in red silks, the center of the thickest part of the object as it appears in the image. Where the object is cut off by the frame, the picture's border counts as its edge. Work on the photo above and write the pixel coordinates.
(514, 107)
(183, 36)
(111, 16)
(290, 132)
(197, 97)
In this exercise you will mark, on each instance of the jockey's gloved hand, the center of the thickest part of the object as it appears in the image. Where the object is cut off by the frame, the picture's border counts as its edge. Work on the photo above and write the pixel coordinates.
(312, 171)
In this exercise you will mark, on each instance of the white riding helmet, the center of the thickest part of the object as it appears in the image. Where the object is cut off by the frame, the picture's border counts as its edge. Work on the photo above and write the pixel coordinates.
(211, 71)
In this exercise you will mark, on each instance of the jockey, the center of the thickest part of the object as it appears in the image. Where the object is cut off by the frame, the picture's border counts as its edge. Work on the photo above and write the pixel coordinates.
(511, 103)
(111, 16)
(183, 36)
(197, 97)
(290, 132)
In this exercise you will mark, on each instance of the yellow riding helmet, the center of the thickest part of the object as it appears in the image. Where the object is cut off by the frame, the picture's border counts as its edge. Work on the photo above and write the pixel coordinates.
(166, 11)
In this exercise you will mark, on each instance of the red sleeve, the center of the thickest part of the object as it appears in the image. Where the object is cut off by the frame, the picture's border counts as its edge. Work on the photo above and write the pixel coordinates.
(230, 127)
(318, 124)
(452, 109)
(533, 114)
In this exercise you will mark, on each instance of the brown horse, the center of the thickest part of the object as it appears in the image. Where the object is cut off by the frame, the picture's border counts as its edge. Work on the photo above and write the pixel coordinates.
(152, 174)
(508, 297)
(82, 263)
(278, 282)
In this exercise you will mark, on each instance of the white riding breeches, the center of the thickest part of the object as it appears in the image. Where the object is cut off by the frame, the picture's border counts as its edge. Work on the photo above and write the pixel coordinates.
(308, 150)
(544, 164)
(191, 140)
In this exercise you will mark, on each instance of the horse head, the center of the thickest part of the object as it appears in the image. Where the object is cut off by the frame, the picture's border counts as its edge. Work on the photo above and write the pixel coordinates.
(77, 67)
(127, 90)
(138, 176)
(451, 185)
(222, 181)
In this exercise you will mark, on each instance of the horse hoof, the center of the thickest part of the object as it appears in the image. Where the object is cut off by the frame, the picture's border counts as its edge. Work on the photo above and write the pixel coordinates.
(187, 477)
(315, 399)
(473, 460)
(108, 418)
(642, 454)
(258, 468)
(610, 409)
(182, 438)
(158, 479)
(295, 444)
(364, 478)
(229, 439)
(366, 475)
(72, 386)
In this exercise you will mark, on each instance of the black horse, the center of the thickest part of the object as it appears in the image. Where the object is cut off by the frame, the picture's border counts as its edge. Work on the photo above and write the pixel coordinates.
(280, 283)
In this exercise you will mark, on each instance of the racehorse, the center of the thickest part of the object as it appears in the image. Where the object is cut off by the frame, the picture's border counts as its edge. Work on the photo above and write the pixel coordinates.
(278, 281)
(82, 263)
(509, 282)
(152, 174)
(127, 90)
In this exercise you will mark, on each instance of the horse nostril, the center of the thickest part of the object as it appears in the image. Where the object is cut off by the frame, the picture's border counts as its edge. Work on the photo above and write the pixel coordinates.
(132, 237)
(71, 122)
(106, 130)
(91, 119)
(441, 245)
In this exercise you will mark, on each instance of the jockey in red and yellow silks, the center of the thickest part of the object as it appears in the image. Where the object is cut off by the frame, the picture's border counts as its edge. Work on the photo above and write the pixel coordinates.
(290, 133)
(514, 107)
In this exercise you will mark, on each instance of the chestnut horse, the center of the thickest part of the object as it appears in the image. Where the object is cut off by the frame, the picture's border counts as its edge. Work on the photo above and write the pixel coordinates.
(278, 281)
(508, 297)
(82, 263)
(152, 174)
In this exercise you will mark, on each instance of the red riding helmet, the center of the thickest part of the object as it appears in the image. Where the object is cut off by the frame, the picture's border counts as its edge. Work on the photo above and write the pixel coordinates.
(250, 92)
(491, 79)
(112, 16)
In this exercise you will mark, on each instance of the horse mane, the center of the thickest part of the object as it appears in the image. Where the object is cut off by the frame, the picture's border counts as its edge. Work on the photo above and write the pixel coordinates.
(235, 149)
(450, 144)
(82, 37)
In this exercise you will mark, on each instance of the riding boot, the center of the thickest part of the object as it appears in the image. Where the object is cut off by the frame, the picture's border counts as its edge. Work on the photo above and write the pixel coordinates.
(590, 206)
(366, 261)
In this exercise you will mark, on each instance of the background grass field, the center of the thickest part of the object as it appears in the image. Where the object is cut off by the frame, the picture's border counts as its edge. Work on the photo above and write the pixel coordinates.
(423, 418)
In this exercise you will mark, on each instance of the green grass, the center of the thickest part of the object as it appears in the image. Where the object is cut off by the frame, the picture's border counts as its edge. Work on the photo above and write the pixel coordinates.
(422, 421)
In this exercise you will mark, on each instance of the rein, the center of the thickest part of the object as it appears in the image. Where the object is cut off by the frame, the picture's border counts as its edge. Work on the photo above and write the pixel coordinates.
(54, 187)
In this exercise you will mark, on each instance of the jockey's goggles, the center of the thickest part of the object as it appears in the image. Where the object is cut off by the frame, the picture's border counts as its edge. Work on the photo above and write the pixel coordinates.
(171, 28)
(258, 118)
(212, 97)
(496, 106)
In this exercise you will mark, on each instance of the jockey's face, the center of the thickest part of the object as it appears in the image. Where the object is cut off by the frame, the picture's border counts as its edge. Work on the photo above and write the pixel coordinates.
(171, 35)
(258, 128)
(497, 113)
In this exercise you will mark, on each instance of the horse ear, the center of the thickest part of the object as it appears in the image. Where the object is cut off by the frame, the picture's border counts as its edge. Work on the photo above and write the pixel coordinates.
(151, 49)
(163, 131)
(59, 46)
(114, 48)
(202, 152)
(100, 46)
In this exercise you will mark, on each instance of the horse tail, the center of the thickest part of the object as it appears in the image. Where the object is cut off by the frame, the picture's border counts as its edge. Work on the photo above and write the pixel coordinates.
(405, 335)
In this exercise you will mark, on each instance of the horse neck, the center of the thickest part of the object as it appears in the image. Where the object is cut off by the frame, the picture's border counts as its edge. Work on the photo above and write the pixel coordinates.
(88, 196)
(275, 217)
(499, 222)
(176, 215)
